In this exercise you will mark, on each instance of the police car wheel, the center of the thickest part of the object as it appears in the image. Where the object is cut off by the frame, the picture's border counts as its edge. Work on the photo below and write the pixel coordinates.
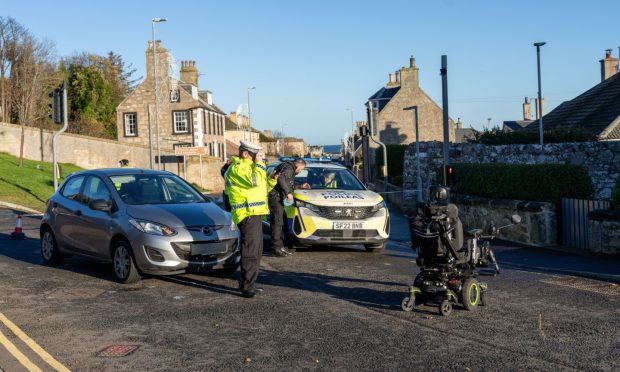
(375, 248)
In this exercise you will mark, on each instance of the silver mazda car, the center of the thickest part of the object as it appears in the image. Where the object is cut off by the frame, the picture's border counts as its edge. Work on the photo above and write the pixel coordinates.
(143, 221)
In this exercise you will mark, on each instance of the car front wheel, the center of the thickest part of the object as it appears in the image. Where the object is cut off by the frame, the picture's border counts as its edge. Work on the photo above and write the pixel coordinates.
(125, 269)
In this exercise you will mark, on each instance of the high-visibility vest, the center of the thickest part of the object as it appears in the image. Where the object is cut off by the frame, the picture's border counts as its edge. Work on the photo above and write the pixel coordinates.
(332, 185)
(247, 187)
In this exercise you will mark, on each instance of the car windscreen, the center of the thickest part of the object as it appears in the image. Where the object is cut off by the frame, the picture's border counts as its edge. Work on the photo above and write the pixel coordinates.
(320, 178)
(139, 189)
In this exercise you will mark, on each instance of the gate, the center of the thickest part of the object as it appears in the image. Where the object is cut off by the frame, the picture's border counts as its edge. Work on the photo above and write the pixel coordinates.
(575, 229)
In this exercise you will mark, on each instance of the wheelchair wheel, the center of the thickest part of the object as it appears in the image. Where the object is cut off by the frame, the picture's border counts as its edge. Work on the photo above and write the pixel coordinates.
(470, 294)
(445, 308)
(408, 303)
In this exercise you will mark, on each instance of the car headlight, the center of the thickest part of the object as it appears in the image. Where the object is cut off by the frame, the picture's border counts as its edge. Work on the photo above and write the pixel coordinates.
(153, 228)
(312, 207)
(378, 207)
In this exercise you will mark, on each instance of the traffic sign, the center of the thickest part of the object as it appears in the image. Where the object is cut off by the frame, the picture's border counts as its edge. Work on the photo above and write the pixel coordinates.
(188, 151)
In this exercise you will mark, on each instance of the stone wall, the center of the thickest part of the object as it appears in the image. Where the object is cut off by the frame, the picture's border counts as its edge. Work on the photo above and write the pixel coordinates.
(538, 225)
(604, 232)
(600, 159)
(90, 152)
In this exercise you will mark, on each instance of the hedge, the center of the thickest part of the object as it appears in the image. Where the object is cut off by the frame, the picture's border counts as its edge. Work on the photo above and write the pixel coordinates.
(537, 182)
(395, 155)
(615, 196)
(496, 136)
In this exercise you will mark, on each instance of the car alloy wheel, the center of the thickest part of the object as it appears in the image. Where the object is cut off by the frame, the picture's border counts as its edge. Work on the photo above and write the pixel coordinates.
(49, 248)
(121, 262)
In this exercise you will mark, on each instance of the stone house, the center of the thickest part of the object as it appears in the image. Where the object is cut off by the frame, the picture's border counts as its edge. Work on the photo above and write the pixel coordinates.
(395, 126)
(596, 112)
(235, 133)
(187, 115)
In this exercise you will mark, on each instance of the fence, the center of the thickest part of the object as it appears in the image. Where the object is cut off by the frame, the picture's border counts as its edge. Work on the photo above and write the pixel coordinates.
(575, 223)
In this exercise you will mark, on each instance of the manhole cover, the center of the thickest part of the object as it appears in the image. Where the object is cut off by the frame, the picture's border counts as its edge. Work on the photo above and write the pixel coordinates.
(73, 293)
(604, 288)
(118, 351)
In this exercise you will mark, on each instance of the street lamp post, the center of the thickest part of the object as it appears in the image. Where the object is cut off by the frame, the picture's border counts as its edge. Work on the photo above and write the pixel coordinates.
(418, 177)
(489, 123)
(540, 119)
(352, 140)
(249, 112)
(153, 21)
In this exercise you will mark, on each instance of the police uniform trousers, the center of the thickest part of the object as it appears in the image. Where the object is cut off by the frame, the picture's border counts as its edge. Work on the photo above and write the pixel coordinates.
(278, 222)
(251, 229)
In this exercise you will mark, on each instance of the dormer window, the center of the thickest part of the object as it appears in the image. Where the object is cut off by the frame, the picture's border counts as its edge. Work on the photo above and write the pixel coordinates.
(175, 95)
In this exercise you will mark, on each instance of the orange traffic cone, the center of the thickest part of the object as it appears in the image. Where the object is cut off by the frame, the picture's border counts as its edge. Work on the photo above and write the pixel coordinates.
(18, 233)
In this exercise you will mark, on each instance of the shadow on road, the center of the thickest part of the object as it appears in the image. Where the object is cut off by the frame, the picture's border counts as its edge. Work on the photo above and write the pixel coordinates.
(354, 290)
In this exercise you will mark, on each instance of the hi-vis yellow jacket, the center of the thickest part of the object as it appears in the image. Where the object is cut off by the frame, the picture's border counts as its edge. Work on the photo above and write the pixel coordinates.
(247, 186)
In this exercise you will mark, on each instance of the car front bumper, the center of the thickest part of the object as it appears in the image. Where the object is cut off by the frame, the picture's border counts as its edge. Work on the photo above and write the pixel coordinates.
(187, 251)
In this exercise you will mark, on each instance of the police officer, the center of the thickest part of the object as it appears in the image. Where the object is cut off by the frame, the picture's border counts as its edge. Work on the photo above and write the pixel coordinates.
(282, 191)
(247, 186)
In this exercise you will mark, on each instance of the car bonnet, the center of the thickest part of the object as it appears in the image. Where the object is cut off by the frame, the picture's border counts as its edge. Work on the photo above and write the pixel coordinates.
(339, 197)
(181, 215)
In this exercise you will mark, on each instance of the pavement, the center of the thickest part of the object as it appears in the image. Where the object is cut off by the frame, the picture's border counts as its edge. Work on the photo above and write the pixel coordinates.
(324, 308)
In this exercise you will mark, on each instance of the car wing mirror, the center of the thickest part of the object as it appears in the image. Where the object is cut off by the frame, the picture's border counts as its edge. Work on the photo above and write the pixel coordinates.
(370, 186)
(100, 205)
(515, 219)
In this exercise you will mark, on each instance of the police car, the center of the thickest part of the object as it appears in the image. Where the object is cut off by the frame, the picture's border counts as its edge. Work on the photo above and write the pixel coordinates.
(336, 209)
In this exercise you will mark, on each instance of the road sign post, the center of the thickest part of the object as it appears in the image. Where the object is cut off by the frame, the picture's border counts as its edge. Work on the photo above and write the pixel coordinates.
(57, 103)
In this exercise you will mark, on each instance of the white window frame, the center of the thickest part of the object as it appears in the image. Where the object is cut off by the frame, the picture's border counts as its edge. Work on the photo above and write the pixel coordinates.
(130, 120)
(175, 95)
(177, 122)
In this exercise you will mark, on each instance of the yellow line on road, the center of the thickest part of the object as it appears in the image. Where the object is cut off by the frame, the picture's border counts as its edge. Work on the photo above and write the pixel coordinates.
(33, 345)
(11, 348)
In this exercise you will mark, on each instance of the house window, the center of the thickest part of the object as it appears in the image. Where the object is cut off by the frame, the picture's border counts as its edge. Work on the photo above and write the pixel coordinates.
(180, 122)
(175, 95)
(130, 122)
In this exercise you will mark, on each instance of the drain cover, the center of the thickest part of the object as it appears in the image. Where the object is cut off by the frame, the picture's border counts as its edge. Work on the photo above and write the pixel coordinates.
(604, 288)
(114, 351)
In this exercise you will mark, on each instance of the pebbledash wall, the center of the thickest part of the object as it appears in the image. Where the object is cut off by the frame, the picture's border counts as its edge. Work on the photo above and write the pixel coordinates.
(90, 153)
(539, 228)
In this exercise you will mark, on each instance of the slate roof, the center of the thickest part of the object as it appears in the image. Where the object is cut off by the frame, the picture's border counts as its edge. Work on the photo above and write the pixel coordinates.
(592, 112)
(515, 125)
(384, 95)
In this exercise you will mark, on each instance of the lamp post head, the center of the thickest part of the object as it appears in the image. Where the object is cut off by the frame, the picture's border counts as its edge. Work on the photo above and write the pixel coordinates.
(539, 44)
(155, 20)
(251, 88)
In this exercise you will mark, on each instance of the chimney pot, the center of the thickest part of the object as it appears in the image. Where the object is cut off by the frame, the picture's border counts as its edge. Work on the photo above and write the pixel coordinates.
(391, 78)
(411, 61)
(398, 76)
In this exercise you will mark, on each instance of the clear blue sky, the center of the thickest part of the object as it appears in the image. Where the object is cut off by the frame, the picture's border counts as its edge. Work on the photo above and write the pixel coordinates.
(312, 60)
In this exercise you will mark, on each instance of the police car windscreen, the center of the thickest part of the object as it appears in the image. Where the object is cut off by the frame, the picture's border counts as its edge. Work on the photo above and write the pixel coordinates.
(139, 189)
(328, 178)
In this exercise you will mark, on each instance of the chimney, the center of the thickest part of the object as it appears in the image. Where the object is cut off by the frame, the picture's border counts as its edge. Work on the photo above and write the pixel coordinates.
(459, 124)
(398, 77)
(162, 60)
(609, 65)
(409, 75)
(189, 72)
(527, 109)
(542, 108)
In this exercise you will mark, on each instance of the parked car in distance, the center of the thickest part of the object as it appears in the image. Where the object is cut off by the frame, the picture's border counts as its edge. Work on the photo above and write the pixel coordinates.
(142, 221)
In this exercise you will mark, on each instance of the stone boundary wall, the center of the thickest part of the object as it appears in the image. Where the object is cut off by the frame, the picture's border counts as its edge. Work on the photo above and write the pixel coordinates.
(91, 152)
(600, 159)
(538, 225)
(604, 232)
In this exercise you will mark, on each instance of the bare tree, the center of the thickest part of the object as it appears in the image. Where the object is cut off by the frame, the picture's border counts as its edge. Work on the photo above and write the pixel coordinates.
(11, 36)
(30, 77)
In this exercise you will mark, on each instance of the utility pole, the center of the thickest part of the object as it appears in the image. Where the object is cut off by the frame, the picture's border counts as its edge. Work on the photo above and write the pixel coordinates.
(540, 115)
(444, 102)
(153, 21)
(249, 114)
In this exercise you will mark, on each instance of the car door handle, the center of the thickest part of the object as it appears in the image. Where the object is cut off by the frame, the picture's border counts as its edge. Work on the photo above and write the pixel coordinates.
(78, 212)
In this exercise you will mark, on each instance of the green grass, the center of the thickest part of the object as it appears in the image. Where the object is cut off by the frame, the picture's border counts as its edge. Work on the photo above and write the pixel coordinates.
(29, 185)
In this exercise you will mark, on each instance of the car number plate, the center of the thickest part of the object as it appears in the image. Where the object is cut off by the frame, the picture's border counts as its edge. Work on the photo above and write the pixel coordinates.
(202, 249)
(348, 225)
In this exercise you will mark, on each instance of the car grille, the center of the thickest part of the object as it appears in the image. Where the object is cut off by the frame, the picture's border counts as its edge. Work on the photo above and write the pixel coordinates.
(345, 234)
(346, 213)
(184, 249)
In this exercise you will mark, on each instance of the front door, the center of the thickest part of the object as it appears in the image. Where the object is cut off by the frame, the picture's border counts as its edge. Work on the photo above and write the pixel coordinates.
(95, 227)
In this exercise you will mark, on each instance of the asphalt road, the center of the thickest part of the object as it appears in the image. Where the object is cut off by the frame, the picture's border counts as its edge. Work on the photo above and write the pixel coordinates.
(321, 309)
